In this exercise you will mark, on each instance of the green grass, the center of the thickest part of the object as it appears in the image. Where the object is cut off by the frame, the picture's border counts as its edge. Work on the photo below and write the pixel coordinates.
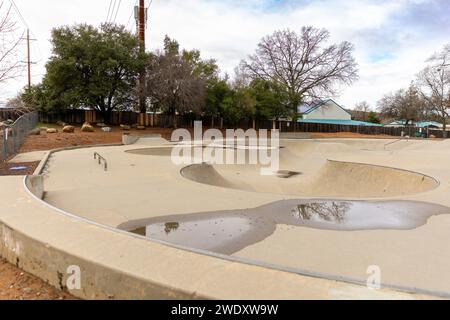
(47, 125)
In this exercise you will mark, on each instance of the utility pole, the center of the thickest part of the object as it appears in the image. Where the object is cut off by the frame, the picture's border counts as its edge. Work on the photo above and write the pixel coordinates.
(28, 62)
(29, 58)
(141, 22)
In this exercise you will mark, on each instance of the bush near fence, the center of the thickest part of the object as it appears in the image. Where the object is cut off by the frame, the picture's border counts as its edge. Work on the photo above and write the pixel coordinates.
(187, 121)
(12, 137)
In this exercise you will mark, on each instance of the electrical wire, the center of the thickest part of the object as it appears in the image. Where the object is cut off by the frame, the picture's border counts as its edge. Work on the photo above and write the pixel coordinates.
(150, 2)
(131, 15)
(117, 11)
(109, 10)
(38, 47)
(16, 8)
(112, 11)
(35, 43)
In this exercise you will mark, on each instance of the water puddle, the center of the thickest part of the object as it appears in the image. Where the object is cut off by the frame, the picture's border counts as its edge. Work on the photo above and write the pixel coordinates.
(228, 232)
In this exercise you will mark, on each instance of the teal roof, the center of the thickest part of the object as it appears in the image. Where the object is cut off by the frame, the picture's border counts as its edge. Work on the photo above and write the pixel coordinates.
(420, 124)
(341, 122)
(424, 124)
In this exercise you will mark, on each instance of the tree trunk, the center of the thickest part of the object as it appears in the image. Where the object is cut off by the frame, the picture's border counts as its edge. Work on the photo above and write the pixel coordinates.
(107, 116)
(174, 119)
(103, 113)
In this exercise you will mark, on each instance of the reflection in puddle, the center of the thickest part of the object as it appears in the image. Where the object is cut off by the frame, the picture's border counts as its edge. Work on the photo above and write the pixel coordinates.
(228, 232)
(326, 211)
(171, 226)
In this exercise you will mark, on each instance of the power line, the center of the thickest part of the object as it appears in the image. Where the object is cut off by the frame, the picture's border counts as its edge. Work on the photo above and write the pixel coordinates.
(112, 5)
(29, 40)
(19, 13)
(117, 11)
(129, 19)
(109, 10)
(148, 9)
(131, 15)
(38, 47)
(112, 11)
(16, 8)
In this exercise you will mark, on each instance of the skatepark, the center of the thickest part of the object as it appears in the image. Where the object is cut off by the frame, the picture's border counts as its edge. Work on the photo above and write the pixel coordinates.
(144, 227)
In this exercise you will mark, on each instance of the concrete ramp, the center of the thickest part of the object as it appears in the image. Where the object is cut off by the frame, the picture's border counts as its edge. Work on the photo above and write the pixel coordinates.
(206, 174)
(368, 181)
(147, 140)
(333, 179)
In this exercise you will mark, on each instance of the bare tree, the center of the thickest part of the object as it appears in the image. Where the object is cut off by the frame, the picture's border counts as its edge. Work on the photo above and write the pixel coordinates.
(324, 211)
(362, 110)
(301, 65)
(172, 84)
(18, 105)
(10, 66)
(404, 104)
(434, 82)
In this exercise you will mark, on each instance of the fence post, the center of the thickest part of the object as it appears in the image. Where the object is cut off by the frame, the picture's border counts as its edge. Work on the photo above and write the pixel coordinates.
(5, 147)
(13, 136)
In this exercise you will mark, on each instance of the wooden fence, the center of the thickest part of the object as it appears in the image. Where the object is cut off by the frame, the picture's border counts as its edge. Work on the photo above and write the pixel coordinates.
(117, 118)
(165, 121)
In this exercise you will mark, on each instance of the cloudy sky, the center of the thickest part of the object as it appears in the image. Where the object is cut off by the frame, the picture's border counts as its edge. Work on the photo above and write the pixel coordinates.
(392, 38)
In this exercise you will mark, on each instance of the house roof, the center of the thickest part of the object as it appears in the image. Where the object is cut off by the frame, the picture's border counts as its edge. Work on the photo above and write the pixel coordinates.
(420, 124)
(341, 122)
(425, 124)
(397, 123)
(307, 108)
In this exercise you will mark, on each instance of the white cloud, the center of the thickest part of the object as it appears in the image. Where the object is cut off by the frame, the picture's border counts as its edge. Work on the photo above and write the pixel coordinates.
(389, 48)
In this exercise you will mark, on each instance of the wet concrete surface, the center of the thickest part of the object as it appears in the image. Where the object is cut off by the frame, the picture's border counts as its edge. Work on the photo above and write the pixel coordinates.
(228, 232)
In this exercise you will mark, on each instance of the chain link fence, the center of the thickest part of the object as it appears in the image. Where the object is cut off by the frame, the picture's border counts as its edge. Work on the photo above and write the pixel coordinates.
(12, 136)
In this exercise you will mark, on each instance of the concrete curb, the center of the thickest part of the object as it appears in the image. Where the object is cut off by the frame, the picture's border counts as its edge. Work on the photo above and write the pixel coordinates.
(98, 281)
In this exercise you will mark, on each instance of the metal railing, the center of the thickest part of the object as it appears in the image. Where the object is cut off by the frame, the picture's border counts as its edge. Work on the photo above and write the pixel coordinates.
(100, 159)
(13, 136)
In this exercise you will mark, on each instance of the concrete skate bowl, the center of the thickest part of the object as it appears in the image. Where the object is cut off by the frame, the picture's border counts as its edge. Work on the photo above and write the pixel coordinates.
(254, 230)
(333, 179)
(192, 151)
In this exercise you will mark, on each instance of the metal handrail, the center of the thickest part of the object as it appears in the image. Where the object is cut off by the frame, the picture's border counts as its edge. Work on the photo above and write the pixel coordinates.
(392, 142)
(100, 159)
